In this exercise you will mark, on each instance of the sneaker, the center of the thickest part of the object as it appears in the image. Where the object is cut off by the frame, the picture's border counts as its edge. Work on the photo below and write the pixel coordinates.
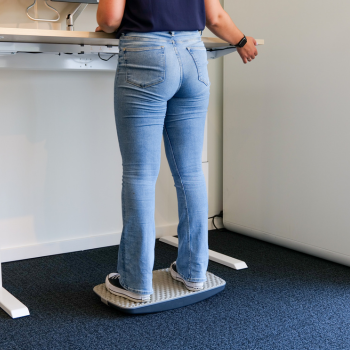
(113, 286)
(193, 286)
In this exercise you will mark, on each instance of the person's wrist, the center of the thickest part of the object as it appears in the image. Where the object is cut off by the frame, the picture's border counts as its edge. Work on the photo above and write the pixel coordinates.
(236, 36)
(242, 42)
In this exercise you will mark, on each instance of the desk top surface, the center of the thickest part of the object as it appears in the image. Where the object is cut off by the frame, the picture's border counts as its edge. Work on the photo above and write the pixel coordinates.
(76, 38)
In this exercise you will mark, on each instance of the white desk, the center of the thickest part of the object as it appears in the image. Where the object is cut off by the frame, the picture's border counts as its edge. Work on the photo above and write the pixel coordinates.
(29, 49)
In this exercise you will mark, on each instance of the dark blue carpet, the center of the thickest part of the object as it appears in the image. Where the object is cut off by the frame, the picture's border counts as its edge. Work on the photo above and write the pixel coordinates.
(284, 300)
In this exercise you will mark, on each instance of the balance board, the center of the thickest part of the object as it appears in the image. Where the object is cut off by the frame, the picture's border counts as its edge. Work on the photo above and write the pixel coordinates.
(168, 294)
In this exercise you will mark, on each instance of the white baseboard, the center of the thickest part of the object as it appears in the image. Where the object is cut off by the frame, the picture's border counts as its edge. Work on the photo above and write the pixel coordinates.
(84, 243)
(289, 243)
(72, 245)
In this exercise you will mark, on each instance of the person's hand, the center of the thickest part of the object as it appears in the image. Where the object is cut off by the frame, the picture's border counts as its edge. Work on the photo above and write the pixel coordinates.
(98, 29)
(248, 51)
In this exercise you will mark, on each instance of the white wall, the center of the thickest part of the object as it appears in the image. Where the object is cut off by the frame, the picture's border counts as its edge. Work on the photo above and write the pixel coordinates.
(287, 126)
(60, 181)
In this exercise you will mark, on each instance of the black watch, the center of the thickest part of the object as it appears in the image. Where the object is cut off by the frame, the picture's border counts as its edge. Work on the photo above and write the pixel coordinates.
(242, 42)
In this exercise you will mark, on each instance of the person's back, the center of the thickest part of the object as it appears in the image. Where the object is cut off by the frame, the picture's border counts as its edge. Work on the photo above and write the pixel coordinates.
(162, 15)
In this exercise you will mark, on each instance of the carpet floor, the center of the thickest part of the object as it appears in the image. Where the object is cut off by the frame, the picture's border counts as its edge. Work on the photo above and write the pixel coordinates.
(283, 300)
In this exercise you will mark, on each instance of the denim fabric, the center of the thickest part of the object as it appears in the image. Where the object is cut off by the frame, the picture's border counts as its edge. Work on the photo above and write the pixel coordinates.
(161, 90)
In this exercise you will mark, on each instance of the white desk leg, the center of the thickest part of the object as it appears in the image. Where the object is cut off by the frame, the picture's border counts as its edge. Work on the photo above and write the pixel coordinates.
(214, 256)
(9, 303)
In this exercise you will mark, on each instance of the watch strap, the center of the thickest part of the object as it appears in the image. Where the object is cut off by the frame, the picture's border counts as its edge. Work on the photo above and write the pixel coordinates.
(242, 42)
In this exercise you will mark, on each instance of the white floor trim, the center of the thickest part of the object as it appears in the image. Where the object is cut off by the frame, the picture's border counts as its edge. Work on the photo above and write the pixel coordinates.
(59, 247)
(289, 243)
(83, 243)
(72, 245)
(214, 256)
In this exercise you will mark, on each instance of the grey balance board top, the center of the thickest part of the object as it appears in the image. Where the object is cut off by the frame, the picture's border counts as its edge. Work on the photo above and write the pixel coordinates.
(168, 294)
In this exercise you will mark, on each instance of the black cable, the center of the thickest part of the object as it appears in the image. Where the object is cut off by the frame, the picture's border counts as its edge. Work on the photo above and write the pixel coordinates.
(107, 59)
(226, 48)
(220, 215)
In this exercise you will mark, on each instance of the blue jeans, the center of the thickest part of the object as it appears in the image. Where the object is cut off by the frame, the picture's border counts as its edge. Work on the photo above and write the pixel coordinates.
(161, 90)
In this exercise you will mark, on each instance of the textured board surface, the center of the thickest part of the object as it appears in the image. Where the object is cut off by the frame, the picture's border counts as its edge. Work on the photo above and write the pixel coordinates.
(166, 290)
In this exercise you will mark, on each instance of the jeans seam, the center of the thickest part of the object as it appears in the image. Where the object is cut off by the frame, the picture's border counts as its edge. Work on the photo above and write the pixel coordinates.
(140, 86)
(139, 38)
(147, 48)
(192, 279)
(181, 70)
(198, 66)
(136, 38)
(185, 41)
(137, 291)
(159, 80)
(183, 188)
(123, 201)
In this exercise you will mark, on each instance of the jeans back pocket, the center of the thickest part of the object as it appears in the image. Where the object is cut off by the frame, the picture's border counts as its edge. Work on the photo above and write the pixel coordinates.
(199, 55)
(145, 66)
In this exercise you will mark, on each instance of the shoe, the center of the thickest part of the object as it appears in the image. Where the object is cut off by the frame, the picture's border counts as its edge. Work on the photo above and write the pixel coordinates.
(113, 286)
(193, 286)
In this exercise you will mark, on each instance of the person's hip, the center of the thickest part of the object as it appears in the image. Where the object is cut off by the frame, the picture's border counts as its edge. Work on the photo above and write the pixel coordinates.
(161, 63)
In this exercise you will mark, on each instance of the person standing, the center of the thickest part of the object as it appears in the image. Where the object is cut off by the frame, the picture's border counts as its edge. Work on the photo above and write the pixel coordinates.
(161, 90)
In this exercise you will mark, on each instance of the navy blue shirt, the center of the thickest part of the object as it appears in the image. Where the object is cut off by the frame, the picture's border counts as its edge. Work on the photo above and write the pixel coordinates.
(162, 15)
